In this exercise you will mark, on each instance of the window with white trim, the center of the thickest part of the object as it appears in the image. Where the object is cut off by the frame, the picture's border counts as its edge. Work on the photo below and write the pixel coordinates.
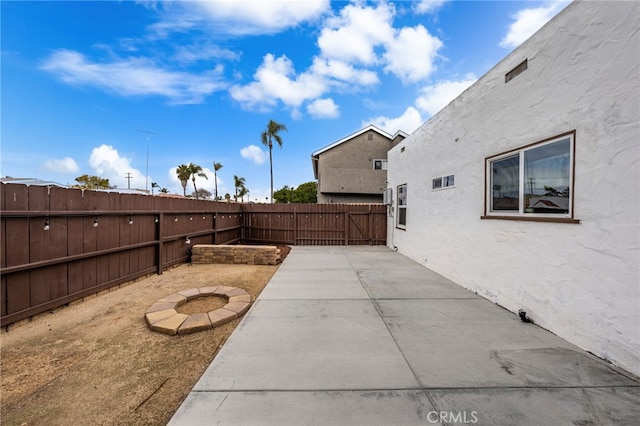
(380, 164)
(443, 182)
(532, 181)
(402, 207)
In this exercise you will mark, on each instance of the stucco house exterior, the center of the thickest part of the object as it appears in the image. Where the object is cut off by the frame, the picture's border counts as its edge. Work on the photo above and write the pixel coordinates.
(354, 169)
(526, 188)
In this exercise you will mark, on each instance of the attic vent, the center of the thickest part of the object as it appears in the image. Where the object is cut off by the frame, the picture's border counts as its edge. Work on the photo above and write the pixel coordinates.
(516, 71)
(369, 137)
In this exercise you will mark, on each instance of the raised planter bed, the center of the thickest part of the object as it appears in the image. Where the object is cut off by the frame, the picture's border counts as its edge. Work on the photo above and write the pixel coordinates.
(235, 254)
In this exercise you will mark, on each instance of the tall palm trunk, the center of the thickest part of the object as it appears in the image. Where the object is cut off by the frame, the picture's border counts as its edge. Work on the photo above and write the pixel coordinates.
(271, 167)
(195, 189)
(272, 131)
(215, 179)
(216, 167)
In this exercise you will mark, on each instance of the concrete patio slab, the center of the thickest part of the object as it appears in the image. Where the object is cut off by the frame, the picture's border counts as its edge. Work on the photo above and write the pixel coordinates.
(363, 336)
(321, 408)
(542, 406)
(371, 257)
(327, 259)
(471, 343)
(309, 345)
(315, 284)
(410, 284)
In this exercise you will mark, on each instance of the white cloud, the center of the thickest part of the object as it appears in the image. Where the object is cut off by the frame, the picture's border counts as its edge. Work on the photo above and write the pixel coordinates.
(132, 76)
(353, 38)
(260, 17)
(348, 44)
(107, 163)
(351, 45)
(233, 17)
(353, 35)
(254, 154)
(428, 6)
(433, 99)
(411, 54)
(437, 96)
(63, 165)
(203, 52)
(528, 21)
(275, 80)
(343, 71)
(323, 108)
(409, 121)
(173, 23)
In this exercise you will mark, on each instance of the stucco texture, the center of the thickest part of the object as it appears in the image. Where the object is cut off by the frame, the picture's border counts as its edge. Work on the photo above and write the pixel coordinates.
(579, 280)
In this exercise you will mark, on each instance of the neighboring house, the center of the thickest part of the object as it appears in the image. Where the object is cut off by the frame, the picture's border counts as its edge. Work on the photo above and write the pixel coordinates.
(354, 169)
(31, 181)
(40, 182)
(526, 188)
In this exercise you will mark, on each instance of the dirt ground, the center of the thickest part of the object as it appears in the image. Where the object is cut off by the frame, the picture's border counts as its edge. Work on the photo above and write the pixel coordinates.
(96, 361)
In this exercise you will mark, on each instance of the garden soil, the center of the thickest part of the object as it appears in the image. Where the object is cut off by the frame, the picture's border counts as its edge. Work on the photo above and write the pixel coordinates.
(96, 361)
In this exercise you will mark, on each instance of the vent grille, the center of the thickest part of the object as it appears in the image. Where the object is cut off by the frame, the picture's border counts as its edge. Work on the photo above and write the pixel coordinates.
(516, 71)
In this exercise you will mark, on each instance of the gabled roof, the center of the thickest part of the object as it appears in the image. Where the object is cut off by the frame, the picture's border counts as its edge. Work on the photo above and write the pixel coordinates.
(358, 133)
(316, 155)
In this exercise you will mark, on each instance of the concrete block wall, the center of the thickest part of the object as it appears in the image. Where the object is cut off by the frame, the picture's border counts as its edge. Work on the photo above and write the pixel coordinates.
(235, 254)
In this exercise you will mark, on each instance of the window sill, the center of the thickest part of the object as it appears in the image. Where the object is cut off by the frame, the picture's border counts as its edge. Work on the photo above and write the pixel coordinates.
(404, 228)
(533, 219)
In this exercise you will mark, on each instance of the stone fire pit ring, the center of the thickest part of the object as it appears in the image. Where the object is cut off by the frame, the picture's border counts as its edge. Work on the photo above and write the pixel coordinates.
(163, 316)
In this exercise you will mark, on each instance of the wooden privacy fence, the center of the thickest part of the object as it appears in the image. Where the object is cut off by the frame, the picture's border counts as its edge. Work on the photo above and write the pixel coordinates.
(60, 245)
(316, 224)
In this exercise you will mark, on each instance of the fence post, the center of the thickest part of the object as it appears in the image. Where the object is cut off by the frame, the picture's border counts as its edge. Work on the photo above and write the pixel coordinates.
(244, 224)
(370, 225)
(295, 226)
(346, 228)
(215, 227)
(160, 248)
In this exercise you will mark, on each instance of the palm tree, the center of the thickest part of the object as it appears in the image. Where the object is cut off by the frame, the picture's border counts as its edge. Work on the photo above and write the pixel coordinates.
(195, 171)
(243, 191)
(184, 173)
(239, 183)
(271, 133)
(216, 167)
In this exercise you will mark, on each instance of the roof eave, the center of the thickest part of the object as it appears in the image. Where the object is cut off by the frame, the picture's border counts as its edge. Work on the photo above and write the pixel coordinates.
(353, 135)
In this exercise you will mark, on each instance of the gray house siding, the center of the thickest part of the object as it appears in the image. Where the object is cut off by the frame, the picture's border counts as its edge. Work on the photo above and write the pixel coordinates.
(346, 170)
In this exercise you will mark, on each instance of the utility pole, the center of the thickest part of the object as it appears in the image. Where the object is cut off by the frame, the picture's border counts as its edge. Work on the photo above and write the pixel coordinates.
(531, 180)
(129, 180)
(148, 133)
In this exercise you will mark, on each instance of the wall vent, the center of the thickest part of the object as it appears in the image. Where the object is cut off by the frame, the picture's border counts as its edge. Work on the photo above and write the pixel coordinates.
(516, 71)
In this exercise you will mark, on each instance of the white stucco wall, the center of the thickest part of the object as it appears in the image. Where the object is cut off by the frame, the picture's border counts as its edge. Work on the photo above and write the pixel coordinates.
(581, 281)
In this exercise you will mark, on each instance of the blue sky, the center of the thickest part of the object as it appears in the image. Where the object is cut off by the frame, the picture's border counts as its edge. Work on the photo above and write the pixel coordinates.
(82, 81)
